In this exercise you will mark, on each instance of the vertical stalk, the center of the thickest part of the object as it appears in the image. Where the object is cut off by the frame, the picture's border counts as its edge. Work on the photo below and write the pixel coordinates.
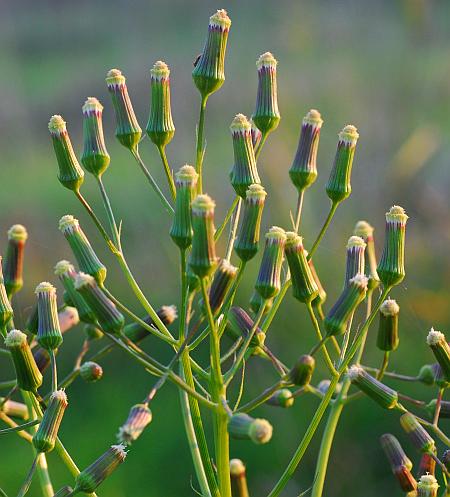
(327, 222)
(54, 370)
(162, 154)
(199, 149)
(261, 144)
(110, 213)
(298, 215)
(233, 230)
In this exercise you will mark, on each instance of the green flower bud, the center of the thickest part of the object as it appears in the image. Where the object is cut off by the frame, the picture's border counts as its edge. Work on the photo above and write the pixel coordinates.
(6, 310)
(64, 492)
(417, 433)
(256, 134)
(303, 172)
(186, 184)
(67, 274)
(427, 465)
(135, 332)
(160, 127)
(49, 333)
(45, 437)
(247, 239)
(209, 70)
(322, 295)
(240, 325)
(95, 157)
(203, 255)
(302, 371)
(243, 426)
(91, 372)
(441, 350)
(391, 268)
(70, 173)
(128, 131)
(13, 260)
(42, 358)
(282, 398)
(139, 417)
(256, 301)
(427, 486)
(244, 172)
(337, 318)
(267, 115)
(355, 258)
(82, 250)
(304, 287)
(444, 411)
(91, 477)
(28, 376)
(338, 187)
(68, 318)
(92, 332)
(394, 452)
(427, 374)
(365, 231)
(238, 478)
(388, 328)
(377, 391)
(268, 283)
(108, 317)
(224, 276)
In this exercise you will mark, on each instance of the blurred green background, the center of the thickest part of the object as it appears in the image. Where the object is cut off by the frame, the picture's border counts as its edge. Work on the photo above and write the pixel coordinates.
(383, 66)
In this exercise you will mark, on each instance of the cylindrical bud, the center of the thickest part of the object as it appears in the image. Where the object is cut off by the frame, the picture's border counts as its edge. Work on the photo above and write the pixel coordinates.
(14, 409)
(128, 131)
(186, 185)
(108, 316)
(247, 239)
(427, 486)
(268, 283)
(91, 372)
(13, 260)
(364, 230)
(6, 310)
(95, 157)
(160, 127)
(70, 173)
(67, 274)
(91, 477)
(427, 465)
(387, 338)
(138, 418)
(256, 134)
(238, 478)
(224, 276)
(256, 301)
(135, 332)
(303, 171)
(243, 426)
(304, 286)
(302, 371)
(87, 259)
(92, 332)
(282, 398)
(267, 115)
(49, 333)
(28, 376)
(338, 187)
(394, 452)
(244, 172)
(64, 492)
(441, 350)
(391, 268)
(417, 433)
(353, 294)
(203, 255)
(240, 325)
(68, 318)
(42, 358)
(322, 295)
(45, 436)
(379, 392)
(355, 260)
(209, 70)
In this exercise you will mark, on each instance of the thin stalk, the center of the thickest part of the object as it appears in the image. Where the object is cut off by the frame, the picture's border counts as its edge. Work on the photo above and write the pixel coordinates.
(227, 218)
(261, 144)
(152, 182)
(384, 365)
(438, 407)
(276, 304)
(389, 374)
(299, 210)
(241, 388)
(110, 213)
(200, 148)
(346, 340)
(29, 478)
(19, 427)
(23, 434)
(262, 397)
(162, 154)
(233, 230)
(54, 370)
(327, 222)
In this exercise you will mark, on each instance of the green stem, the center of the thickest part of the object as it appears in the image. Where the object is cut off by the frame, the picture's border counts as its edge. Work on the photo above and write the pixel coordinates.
(152, 182)
(261, 144)
(299, 210)
(384, 365)
(162, 154)
(110, 213)
(233, 230)
(19, 427)
(227, 218)
(54, 370)
(275, 306)
(327, 222)
(29, 478)
(199, 148)
(262, 397)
